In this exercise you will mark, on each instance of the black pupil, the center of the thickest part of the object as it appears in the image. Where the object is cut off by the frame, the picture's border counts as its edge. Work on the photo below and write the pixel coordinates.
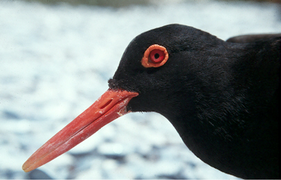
(156, 56)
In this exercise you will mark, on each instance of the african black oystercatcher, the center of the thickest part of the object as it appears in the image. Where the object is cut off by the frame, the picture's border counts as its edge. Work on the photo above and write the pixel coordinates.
(221, 96)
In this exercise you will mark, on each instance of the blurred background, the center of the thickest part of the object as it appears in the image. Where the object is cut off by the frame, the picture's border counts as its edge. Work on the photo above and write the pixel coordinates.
(55, 60)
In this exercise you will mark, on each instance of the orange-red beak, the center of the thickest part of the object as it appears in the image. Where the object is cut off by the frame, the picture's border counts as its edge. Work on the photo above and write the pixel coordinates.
(111, 105)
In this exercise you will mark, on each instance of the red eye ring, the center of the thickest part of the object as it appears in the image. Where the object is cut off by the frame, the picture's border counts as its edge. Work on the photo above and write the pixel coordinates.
(155, 56)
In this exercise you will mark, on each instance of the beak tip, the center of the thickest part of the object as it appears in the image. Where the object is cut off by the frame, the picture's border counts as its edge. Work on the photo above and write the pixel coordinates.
(26, 168)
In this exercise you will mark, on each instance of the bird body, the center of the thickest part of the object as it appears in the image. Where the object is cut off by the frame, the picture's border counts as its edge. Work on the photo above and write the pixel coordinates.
(222, 97)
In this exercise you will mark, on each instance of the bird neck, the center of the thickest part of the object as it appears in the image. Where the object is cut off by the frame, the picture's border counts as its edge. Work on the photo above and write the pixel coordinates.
(231, 109)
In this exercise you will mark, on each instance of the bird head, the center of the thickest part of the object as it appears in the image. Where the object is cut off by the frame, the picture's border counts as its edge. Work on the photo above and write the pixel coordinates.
(162, 64)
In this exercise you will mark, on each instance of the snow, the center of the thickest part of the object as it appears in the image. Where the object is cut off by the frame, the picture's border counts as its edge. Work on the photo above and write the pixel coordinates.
(55, 62)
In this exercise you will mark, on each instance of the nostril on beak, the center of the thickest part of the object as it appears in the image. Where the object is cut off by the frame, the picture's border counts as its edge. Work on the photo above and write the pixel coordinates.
(106, 103)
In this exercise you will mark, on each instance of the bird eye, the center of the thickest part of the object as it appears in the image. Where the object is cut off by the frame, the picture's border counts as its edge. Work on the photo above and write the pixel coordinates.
(155, 56)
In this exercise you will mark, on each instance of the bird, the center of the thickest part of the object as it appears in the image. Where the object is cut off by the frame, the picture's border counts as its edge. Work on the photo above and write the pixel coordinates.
(222, 97)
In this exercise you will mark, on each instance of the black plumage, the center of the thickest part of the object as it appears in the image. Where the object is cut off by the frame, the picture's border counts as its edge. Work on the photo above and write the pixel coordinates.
(221, 96)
